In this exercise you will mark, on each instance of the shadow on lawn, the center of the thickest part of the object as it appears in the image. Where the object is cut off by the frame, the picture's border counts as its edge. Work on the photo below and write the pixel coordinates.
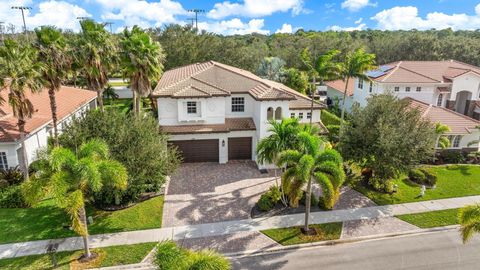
(464, 169)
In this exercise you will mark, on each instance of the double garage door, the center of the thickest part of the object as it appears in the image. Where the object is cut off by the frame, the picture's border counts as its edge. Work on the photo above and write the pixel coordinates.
(208, 150)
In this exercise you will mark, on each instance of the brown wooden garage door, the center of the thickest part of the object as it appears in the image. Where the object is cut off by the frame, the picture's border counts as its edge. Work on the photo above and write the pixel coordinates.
(240, 148)
(198, 150)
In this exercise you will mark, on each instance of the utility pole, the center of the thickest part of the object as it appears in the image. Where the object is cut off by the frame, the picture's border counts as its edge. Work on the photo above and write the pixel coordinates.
(193, 21)
(196, 11)
(2, 28)
(22, 8)
(109, 24)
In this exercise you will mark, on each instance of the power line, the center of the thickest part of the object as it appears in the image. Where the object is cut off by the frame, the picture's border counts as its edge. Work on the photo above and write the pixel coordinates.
(196, 11)
(22, 8)
(109, 24)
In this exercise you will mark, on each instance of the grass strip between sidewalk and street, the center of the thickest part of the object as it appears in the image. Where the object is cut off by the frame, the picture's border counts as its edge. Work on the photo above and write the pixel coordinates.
(294, 235)
(432, 219)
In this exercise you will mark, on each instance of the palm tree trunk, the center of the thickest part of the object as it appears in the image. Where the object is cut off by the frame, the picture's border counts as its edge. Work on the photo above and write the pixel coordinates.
(21, 129)
(308, 201)
(343, 101)
(138, 104)
(53, 108)
(86, 246)
(100, 99)
(311, 105)
(134, 101)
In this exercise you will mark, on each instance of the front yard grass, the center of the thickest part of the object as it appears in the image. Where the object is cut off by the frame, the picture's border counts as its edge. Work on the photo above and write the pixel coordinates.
(293, 235)
(453, 181)
(46, 221)
(109, 256)
(123, 105)
(432, 219)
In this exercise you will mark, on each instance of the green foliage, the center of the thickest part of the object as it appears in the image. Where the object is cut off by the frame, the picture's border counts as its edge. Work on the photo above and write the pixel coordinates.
(432, 219)
(452, 157)
(274, 193)
(271, 68)
(313, 200)
(469, 217)
(295, 79)
(10, 177)
(329, 118)
(294, 235)
(208, 260)
(12, 197)
(135, 142)
(430, 177)
(282, 137)
(333, 133)
(265, 202)
(387, 136)
(381, 185)
(417, 176)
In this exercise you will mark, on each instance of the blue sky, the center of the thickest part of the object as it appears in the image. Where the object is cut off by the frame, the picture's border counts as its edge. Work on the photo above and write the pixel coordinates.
(246, 16)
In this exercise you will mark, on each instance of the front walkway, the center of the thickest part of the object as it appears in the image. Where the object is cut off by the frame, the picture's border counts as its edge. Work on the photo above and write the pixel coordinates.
(235, 226)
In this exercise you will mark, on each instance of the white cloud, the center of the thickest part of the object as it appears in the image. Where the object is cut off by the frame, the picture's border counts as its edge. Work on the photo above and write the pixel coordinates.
(407, 17)
(255, 8)
(356, 5)
(348, 29)
(286, 28)
(234, 27)
(359, 21)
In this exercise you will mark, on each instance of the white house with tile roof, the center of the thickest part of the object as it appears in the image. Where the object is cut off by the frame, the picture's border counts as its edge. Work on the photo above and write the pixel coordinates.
(215, 113)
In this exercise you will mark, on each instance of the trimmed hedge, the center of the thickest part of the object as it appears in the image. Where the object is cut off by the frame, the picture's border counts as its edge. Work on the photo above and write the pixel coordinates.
(329, 118)
(423, 176)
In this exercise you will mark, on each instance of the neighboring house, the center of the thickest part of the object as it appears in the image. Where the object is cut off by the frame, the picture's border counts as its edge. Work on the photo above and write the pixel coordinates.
(215, 112)
(70, 102)
(450, 84)
(464, 129)
(335, 91)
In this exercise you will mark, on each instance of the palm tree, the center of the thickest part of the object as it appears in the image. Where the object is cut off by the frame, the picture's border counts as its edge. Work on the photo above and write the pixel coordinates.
(70, 179)
(355, 65)
(109, 93)
(307, 163)
(442, 140)
(20, 73)
(53, 53)
(271, 68)
(97, 56)
(469, 218)
(141, 62)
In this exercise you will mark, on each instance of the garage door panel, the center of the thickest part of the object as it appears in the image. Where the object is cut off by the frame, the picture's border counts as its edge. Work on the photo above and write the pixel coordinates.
(240, 148)
(198, 150)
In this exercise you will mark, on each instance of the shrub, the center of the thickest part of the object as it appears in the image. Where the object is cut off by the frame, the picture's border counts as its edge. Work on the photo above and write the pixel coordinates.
(416, 176)
(274, 193)
(170, 257)
(329, 118)
(12, 197)
(208, 260)
(11, 176)
(453, 157)
(333, 132)
(430, 177)
(379, 184)
(265, 202)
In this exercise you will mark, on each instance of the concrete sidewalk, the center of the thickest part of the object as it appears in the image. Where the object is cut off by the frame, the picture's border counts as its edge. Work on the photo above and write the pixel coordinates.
(235, 226)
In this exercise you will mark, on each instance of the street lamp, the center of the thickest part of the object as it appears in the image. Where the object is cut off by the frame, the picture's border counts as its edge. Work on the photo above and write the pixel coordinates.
(22, 8)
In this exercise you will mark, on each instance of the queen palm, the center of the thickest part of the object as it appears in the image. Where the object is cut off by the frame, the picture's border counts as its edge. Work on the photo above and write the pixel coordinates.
(469, 218)
(53, 53)
(141, 62)
(354, 66)
(19, 74)
(308, 163)
(71, 178)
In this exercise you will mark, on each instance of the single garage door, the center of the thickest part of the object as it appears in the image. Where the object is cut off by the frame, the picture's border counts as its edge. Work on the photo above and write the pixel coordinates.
(240, 148)
(198, 150)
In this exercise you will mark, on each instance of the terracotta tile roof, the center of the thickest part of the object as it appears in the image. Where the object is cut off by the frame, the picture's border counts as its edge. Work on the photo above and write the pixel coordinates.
(339, 85)
(231, 124)
(458, 123)
(425, 71)
(216, 79)
(69, 99)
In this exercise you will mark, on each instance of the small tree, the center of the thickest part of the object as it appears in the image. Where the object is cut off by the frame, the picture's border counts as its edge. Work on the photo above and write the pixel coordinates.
(271, 68)
(296, 79)
(387, 136)
(70, 179)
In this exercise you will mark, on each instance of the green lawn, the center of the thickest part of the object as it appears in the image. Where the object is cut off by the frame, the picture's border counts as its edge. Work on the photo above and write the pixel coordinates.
(46, 221)
(113, 84)
(123, 104)
(432, 219)
(109, 256)
(453, 181)
(293, 235)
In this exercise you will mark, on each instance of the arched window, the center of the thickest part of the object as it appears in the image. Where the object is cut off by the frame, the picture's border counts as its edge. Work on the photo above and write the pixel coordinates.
(278, 113)
(440, 100)
(270, 113)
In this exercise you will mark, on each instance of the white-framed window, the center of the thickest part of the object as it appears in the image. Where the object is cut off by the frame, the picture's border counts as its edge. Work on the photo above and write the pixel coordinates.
(192, 107)
(407, 89)
(300, 115)
(397, 89)
(292, 115)
(440, 100)
(3, 161)
(360, 83)
(456, 141)
(370, 89)
(309, 115)
(419, 89)
(238, 104)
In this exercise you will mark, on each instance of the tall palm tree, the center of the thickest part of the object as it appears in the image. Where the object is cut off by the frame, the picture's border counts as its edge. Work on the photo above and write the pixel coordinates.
(141, 62)
(469, 217)
(442, 140)
(97, 54)
(20, 72)
(307, 163)
(70, 179)
(354, 66)
(53, 53)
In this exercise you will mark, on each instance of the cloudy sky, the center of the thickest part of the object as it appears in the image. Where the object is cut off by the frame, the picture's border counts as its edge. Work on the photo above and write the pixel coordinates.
(246, 16)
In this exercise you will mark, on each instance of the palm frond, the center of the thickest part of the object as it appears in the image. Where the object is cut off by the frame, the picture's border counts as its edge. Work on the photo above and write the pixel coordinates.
(94, 148)
(469, 218)
(328, 191)
(74, 206)
(89, 174)
(113, 174)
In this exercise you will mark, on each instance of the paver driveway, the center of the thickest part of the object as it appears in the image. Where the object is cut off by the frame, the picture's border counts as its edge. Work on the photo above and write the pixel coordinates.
(210, 192)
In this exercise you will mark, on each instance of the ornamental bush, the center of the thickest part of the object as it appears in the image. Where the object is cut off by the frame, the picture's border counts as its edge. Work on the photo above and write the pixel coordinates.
(12, 197)
(265, 202)
(430, 177)
(416, 176)
(208, 260)
(329, 118)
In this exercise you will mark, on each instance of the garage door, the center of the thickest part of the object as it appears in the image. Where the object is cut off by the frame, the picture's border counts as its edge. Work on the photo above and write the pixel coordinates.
(198, 150)
(240, 148)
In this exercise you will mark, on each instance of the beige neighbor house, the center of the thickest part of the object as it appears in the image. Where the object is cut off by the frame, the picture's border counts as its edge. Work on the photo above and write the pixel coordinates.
(215, 113)
(71, 102)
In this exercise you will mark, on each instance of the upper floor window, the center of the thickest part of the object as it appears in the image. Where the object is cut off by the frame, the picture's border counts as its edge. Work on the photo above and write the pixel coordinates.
(309, 115)
(300, 115)
(360, 83)
(397, 89)
(419, 89)
(370, 89)
(407, 89)
(278, 113)
(3, 161)
(270, 113)
(440, 100)
(238, 104)
(292, 115)
(456, 141)
(191, 107)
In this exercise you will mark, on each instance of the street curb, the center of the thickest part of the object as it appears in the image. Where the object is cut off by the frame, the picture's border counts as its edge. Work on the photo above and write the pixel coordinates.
(256, 252)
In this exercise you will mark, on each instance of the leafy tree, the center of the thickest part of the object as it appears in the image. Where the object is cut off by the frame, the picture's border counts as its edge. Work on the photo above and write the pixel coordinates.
(296, 79)
(97, 56)
(355, 65)
(53, 53)
(141, 62)
(271, 68)
(19, 74)
(71, 177)
(387, 136)
(469, 218)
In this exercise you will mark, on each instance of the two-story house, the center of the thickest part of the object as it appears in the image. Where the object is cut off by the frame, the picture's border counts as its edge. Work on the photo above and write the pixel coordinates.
(215, 113)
